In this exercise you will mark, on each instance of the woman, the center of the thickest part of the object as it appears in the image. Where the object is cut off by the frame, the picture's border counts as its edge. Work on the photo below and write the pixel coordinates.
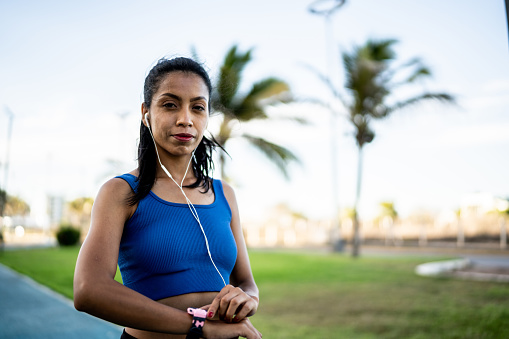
(174, 232)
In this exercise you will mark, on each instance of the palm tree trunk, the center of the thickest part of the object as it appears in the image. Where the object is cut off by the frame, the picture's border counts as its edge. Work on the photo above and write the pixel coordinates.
(356, 241)
(503, 234)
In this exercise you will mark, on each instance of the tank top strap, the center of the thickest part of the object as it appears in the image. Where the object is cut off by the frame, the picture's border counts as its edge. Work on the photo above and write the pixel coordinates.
(219, 193)
(130, 179)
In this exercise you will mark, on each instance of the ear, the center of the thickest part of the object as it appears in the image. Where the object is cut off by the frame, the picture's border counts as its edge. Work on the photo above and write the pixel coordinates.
(144, 110)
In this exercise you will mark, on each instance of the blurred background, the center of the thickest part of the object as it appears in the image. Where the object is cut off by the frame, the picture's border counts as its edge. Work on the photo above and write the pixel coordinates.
(71, 82)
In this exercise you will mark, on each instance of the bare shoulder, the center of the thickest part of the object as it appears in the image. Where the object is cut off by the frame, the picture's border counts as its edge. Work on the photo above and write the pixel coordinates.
(115, 187)
(99, 252)
(113, 195)
(229, 193)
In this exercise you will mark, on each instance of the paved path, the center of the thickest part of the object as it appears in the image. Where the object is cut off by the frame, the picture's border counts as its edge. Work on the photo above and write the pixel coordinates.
(30, 310)
(489, 260)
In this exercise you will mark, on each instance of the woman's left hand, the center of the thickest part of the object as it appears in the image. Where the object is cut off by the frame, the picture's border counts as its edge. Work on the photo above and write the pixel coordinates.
(232, 304)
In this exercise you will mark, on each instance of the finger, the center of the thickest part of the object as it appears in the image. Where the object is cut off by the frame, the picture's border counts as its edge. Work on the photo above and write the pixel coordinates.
(224, 303)
(252, 333)
(215, 305)
(247, 308)
(243, 304)
(211, 311)
(257, 334)
(231, 303)
(210, 315)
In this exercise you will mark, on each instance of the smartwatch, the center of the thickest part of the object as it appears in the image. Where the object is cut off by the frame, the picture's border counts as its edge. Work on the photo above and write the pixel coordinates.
(199, 316)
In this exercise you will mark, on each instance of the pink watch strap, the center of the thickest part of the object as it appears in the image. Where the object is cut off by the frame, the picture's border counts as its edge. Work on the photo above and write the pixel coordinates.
(199, 317)
(197, 312)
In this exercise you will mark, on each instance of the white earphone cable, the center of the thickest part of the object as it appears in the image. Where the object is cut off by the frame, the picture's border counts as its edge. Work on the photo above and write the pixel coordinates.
(189, 203)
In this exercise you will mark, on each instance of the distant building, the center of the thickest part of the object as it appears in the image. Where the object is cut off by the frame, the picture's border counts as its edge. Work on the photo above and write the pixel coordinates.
(481, 203)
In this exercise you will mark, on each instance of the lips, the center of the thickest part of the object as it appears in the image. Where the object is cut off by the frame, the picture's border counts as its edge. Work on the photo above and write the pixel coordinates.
(183, 137)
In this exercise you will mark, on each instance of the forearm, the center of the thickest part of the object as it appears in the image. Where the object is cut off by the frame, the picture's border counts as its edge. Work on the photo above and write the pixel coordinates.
(116, 303)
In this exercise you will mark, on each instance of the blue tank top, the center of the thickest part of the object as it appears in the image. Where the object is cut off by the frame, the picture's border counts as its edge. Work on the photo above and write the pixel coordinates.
(163, 253)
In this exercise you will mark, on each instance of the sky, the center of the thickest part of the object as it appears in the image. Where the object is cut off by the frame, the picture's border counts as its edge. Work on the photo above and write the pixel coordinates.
(71, 76)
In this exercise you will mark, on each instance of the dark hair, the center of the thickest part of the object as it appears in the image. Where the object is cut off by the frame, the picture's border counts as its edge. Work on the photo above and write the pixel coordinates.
(147, 160)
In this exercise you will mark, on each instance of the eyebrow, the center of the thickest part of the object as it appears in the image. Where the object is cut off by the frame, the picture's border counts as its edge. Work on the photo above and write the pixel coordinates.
(176, 97)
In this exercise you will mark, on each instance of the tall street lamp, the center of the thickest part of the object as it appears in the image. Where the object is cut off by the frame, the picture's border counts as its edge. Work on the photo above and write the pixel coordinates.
(327, 8)
(7, 154)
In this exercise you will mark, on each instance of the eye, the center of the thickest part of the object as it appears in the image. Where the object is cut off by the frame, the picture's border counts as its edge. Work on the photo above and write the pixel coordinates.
(199, 108)
(169, 105)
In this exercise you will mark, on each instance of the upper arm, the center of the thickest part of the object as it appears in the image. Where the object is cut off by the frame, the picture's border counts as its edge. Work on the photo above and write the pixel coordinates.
(241, 273)
(98, 256)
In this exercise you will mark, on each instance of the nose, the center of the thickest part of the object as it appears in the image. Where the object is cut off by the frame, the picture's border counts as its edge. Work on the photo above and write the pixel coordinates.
(184, 118)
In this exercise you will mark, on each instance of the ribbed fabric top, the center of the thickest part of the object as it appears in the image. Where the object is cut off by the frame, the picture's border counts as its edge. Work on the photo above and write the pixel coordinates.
(163, 253)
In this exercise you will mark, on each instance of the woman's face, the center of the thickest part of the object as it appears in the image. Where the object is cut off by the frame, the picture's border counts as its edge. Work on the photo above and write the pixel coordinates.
(179, 113)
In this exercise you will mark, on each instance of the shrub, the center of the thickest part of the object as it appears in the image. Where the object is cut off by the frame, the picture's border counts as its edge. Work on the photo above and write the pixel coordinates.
(68, 235)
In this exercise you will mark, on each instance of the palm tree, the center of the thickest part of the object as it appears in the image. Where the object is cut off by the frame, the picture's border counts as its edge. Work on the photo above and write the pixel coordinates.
(250, 106)
(3, 201)
(16, 206)
(386, 218)
(371, 80)
(503, 212)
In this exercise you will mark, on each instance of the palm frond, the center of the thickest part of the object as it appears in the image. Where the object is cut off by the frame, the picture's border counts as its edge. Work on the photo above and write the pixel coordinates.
(380, 50)
(441, 97)
(267, 88)
(299, 120)
(278, 155)
(194, 53)
(327, 82)
(230, 75)
(421, 71)
(251, 106)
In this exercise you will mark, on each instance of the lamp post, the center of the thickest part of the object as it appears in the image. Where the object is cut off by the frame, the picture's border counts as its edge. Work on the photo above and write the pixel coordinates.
(326, 8)
(7, 154)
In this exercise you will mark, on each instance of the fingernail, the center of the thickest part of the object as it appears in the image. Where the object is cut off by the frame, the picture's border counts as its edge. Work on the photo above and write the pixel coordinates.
(210, 314)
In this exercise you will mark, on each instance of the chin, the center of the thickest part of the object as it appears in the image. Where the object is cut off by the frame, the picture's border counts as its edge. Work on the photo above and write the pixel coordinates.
(182, 151)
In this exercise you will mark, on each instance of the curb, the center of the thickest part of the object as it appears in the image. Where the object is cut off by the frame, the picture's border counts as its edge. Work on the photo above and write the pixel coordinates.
(441, 267)
(449, 268)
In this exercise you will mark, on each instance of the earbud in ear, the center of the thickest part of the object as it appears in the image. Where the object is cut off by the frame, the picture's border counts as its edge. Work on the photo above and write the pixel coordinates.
(146, 120)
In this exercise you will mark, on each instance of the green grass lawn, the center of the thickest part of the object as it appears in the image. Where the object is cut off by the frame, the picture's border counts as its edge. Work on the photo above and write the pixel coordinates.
(335, 296)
